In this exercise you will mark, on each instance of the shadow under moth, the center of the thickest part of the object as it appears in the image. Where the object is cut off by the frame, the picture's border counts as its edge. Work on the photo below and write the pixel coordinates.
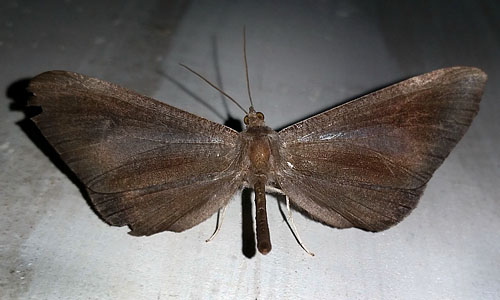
(157, 168)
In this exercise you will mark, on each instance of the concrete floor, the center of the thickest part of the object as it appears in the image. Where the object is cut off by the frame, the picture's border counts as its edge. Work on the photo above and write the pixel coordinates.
(304, 57)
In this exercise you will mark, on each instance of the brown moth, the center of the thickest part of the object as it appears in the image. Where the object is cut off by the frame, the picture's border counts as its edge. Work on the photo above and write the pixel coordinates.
(154, 167)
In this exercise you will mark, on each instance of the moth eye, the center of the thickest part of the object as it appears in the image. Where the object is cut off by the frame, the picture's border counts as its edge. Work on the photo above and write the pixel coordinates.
(245, 120)
(260, 115)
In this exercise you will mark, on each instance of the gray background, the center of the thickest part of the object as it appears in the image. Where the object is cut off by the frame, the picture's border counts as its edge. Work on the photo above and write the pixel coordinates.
(304, 57)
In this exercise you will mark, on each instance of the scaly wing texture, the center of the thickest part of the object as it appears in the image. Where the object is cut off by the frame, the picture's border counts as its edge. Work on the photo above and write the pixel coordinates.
(144, 163)
(366, 163)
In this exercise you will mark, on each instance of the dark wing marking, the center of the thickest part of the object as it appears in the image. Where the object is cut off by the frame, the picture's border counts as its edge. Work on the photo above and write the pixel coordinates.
(366, 163)
(145, 164)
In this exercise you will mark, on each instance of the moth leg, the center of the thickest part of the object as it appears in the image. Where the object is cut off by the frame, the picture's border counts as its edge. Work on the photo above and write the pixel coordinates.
(294, 228)
(274, 190)
(220, 218)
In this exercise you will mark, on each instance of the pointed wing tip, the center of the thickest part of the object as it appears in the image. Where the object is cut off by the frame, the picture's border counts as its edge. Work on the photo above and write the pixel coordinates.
(474, 71)
(42, 83)
(471, 71)
(48, 77)
(38, 82)
(483, 77)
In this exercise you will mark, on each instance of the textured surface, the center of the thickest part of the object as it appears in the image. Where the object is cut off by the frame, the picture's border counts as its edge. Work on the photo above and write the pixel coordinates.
(366, 163)
(304, 57)
(157, 168)
(144, 163)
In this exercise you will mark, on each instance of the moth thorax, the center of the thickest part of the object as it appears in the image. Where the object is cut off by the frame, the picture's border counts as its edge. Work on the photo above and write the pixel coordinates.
(259, 153)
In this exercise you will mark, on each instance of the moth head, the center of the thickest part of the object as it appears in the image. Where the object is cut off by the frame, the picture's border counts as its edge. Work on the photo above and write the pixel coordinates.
(254, 118)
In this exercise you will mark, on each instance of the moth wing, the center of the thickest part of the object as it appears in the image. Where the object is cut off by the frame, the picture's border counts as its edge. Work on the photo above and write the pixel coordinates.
(144, 163)
(365, 163)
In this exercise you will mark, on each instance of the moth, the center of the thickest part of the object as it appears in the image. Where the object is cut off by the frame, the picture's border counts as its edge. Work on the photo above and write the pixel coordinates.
(157, 168)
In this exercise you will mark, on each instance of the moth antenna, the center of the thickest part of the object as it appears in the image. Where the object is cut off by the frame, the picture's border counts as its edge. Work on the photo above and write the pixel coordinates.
(246, 64)
(220, 219)
(214, 86)
(294, 228)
